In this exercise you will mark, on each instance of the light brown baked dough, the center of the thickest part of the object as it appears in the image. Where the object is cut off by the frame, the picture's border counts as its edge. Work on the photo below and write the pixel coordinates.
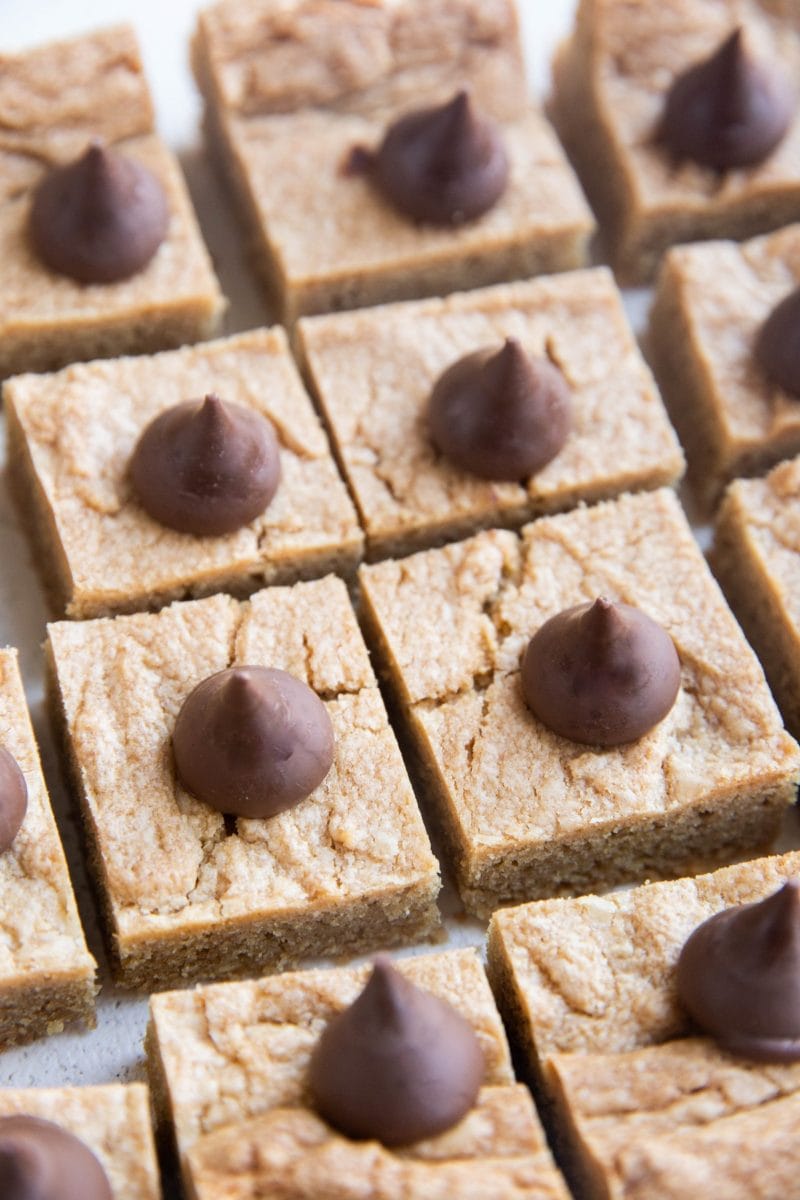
(526, 813)
(666, 1122)
(756, 556)
(114, 1122)
(373, 372)
(610, 82)
(710, 303)
(595, 974)
(290, 91)
(228, 1066)
(47, 975)
(187, 894)
(53, 100)
(71, 435)
(498, 1150)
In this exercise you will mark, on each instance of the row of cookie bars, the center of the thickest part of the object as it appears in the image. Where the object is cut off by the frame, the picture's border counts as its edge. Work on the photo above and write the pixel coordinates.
(635, 1101)
(71, 434)
(524, 811)
(335, 77)
(292, 92)
(406, 496)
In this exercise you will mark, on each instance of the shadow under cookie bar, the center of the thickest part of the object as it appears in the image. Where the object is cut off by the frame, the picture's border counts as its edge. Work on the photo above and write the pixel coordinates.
(47, 975)
(197, 1042)
(373, 371)
(187, 893)
(48, 319)
(756, 556)
(290, 94)
(113, 1120)
(611, 79)
(526, 813)
(71, 435)
(587, 989)
(710, 304)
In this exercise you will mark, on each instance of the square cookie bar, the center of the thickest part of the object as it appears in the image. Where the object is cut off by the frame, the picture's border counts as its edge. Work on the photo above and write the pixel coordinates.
(373, 372)
(113, 1120)
(187, 893)
(71, 435)
(524, 811)
(611, 80)
(675, 1120)
(595, 974)
(46, 972)
(710, 303)
(587, 989)
(291, 91)
(54, 100)
(756, 557)
(228, 1066)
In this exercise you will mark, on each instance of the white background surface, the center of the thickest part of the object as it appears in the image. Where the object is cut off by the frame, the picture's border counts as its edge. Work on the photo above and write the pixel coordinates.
(114, 1049)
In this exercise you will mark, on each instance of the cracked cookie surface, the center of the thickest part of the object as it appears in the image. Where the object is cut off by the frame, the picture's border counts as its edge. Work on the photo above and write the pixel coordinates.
(529, 813)
(250, 891)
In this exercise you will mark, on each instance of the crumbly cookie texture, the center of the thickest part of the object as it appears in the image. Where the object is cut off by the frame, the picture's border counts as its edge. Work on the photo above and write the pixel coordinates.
(114, 1122)
(95, 83)
(595, 974)
(53, 101)
(756, 555)
(328, 81)
(226, 1052)
(610, 82)
(710, 303)
(498, 1150)
(228, 1065)
(187, 894)
(47, 975)
(71, 436)
(527, 813)
(373, 372)
(663, 1121)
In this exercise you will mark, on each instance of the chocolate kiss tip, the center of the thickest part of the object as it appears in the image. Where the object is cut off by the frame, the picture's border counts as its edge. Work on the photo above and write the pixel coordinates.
(213, 414)
(205, 467)
(444, 164)
(738, 977)
(499, 414)
(386, 986)
(600, 673)
(399, 1064)
(99, 218)
(783, 911)
(252, 741)
(728, 111)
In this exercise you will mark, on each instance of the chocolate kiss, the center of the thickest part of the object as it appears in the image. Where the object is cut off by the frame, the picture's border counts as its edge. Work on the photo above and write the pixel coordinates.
(499, 413)
(777, 347)
(601, 673)
(99, 219)
(252, 741)
(729, 110)
(205, 467)
(42, 1161)
(444, 165)
(13, 800)
(397, 1065)
(739, 977)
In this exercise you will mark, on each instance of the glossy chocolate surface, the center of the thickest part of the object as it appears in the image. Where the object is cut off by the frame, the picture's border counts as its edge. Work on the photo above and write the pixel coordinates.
(398, 1065)
(601, 673)
(252, 741)
(99, 219)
